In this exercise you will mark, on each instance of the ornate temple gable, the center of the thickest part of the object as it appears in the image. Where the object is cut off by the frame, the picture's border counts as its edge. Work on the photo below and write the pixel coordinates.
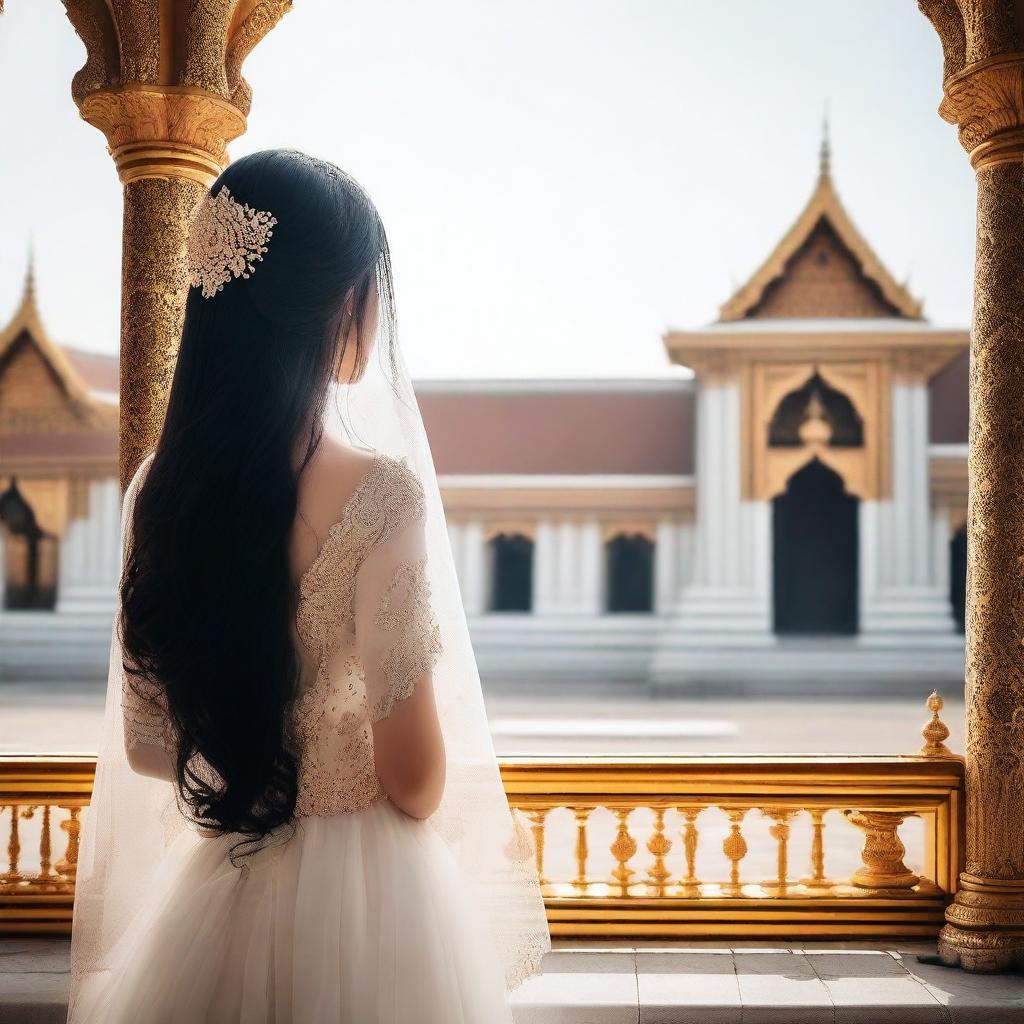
(822, 311)
(823, 267)
(40, 391)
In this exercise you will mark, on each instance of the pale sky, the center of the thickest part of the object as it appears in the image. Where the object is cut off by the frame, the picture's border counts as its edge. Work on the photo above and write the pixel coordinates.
(561, 180)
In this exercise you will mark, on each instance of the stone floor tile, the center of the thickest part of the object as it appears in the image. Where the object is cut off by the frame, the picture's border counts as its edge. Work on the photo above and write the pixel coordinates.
(34, 955)
(873, 988)
(970, 998)
(580, 988)
(33, 998)
(780, 988)
(690, 988)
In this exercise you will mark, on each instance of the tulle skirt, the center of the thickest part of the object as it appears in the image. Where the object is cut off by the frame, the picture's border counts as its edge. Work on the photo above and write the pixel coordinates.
(357, 919)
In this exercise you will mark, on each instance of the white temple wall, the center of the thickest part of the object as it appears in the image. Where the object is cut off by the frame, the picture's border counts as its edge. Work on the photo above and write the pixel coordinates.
(904, 583)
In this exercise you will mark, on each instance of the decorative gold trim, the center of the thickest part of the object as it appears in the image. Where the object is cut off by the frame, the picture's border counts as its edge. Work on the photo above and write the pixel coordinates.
(165, 132)
(865, 470)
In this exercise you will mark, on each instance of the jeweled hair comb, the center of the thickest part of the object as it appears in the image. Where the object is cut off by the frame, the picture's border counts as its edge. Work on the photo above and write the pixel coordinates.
(225, 240)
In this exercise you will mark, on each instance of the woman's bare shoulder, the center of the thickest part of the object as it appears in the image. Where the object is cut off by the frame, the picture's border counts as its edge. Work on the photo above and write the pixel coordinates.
(336, 470)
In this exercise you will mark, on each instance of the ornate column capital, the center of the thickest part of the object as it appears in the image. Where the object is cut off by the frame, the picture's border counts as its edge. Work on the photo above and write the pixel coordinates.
(983, 75)
(163, 82)
(167, 132)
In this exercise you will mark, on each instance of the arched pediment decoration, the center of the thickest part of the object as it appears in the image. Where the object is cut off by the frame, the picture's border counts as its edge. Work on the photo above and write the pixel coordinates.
(816, 398)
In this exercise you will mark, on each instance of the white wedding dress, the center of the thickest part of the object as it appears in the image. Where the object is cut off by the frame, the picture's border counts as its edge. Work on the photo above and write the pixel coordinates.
(362, 914)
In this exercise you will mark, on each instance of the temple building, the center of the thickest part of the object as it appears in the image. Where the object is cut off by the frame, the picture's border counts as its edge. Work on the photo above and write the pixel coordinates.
(789, 519)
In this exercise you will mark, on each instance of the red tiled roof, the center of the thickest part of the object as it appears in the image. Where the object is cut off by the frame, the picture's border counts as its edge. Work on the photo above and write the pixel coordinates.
(97, 369)
(579, 430)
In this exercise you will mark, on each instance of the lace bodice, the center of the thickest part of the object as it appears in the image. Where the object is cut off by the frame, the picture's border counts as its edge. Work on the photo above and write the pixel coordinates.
(364, 619)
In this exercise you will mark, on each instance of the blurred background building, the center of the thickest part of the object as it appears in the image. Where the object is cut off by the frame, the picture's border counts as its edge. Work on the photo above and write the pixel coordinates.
(789, 519)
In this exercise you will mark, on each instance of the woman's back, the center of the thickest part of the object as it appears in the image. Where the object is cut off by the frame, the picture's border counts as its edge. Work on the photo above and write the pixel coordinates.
(274, 836)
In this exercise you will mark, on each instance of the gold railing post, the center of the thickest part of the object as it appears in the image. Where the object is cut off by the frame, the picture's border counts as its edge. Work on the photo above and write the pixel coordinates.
(659, 846)
(623, 848)
(983, 94)
(734, 846)
(782, 816)
(817, 879)
(537, 827)
(163, 83)
(581, 814)
(690, 882)
(67, 866)
(13, 848)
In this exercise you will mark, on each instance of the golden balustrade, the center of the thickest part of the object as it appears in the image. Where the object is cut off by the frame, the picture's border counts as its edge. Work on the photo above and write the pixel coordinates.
(41, 797)
(637, 846)
(742, 806)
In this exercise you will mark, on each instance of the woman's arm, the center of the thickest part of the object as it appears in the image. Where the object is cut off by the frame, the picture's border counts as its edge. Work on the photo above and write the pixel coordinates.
(398, 642)
(408, 751)
(154, 761)
(146, 726)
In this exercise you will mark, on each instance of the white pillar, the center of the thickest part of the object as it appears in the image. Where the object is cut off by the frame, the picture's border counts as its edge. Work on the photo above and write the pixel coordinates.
(904, 586)
(591, 557)
(545, 568)
(566, 595)
(728, 592)
(719, 620)
(667, 564)
(89, 554)
(942, 535)
(471, 567)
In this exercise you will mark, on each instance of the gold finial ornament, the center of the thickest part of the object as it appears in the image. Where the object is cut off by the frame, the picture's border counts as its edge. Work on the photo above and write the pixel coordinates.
(815, 429)
(935, 731)
(225, 240)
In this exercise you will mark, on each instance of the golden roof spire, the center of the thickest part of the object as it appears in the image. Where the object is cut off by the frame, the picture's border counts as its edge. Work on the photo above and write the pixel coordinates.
(825, 153)
(28, 292)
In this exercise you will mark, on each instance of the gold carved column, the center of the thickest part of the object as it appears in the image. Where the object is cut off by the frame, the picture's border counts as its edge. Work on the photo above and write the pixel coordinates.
(983, 94)
(163, 82)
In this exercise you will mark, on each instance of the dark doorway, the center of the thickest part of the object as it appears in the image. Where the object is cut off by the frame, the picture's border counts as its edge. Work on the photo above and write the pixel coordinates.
(511, 564)
(958, 576)
(629, 560)
(814, 525)
(29, 556)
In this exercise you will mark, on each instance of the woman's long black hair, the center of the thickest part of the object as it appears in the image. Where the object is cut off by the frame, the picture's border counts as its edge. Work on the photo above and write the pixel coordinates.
(207, 593)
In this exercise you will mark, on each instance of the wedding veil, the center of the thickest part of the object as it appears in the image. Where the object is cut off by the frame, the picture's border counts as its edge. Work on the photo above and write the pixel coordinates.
(132, 818)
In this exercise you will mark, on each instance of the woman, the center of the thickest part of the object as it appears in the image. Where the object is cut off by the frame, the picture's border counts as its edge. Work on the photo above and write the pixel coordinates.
(297, 815)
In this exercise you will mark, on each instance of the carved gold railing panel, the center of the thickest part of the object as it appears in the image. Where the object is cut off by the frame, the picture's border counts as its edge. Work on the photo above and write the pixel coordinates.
(738, 846)
(743, 846)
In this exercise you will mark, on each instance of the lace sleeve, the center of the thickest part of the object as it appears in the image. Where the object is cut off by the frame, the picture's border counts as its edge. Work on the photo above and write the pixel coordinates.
(397, 636)
(144, 710)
